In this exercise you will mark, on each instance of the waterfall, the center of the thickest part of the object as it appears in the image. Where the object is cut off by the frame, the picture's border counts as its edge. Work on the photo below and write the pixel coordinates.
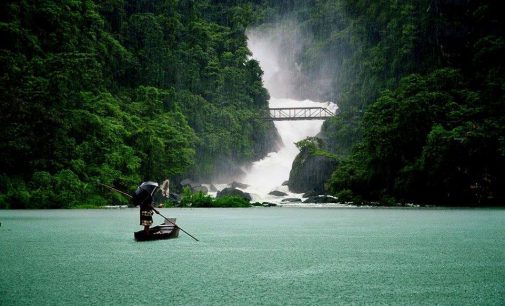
(268, 174)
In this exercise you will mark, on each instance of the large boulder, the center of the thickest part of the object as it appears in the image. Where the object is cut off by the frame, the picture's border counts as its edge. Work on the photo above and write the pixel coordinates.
(278, 193)
(291, 200)
(310, 172)
(268, 204)
(232, 192)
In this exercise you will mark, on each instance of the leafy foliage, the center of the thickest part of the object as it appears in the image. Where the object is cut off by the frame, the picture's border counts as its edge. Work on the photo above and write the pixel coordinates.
(419, 85)
(199, 199)
(122, 91)
(430, 140)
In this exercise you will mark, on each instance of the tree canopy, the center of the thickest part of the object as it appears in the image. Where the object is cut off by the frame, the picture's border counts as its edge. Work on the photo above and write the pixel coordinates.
(122, 91)
(126, 90)
(420, 85)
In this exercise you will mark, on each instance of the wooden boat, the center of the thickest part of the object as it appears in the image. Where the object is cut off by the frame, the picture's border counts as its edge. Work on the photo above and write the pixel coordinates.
(166, 230)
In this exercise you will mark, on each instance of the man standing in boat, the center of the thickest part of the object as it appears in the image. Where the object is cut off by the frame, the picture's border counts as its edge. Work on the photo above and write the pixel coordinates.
(143, 197)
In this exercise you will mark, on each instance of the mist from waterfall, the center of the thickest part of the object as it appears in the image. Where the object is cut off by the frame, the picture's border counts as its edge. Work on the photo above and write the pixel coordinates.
(270, 173)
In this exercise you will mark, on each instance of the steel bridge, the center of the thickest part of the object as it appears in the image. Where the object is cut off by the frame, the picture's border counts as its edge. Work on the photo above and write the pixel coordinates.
(298, 113)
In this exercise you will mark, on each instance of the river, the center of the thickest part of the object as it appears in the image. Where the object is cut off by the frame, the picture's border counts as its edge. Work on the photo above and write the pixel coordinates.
(255, 256)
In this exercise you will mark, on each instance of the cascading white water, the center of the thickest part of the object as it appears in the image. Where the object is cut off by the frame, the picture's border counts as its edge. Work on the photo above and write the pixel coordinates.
(268, 174)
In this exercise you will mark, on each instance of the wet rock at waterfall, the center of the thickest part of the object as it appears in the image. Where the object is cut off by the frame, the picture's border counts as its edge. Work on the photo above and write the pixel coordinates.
(278, 193)
(238, 185)
(232, 192)
(268, 204)
(292, 200)
(311, 169)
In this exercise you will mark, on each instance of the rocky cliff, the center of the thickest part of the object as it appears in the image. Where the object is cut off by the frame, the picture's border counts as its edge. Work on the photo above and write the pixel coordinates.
(310, 170)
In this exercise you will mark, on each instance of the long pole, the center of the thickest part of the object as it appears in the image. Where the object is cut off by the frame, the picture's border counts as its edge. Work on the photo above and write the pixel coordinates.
(116, 190)
(176, 225)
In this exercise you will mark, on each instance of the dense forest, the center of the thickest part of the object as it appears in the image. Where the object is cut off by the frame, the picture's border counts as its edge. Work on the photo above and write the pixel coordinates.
(122, 91)
(126, 90)
(421, 89)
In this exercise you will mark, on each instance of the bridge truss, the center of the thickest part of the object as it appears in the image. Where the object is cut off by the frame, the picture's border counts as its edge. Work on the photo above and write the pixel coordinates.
(299, 113)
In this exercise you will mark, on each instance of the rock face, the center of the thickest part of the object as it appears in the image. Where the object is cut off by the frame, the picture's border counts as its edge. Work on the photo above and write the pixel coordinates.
(309, 172)
(232, 192)
(277, 193)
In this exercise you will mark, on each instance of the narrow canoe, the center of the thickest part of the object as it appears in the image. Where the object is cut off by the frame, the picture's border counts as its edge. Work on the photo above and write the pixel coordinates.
(166, 230)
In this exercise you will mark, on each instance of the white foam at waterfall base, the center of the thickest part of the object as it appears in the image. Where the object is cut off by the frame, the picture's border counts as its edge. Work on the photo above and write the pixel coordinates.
(268, 174)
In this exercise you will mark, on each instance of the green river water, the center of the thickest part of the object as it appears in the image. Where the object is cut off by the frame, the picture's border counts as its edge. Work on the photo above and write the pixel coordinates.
(264, 256)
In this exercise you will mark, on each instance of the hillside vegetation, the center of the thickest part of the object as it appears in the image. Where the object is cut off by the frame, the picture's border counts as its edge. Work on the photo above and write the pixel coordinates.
(127, 90)
(123, 91)
(421, 87)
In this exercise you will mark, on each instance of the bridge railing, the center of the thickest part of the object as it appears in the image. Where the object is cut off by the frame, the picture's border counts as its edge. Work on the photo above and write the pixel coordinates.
(298, 113)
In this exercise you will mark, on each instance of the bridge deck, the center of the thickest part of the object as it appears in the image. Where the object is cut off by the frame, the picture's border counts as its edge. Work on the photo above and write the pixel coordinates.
(299, 113)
